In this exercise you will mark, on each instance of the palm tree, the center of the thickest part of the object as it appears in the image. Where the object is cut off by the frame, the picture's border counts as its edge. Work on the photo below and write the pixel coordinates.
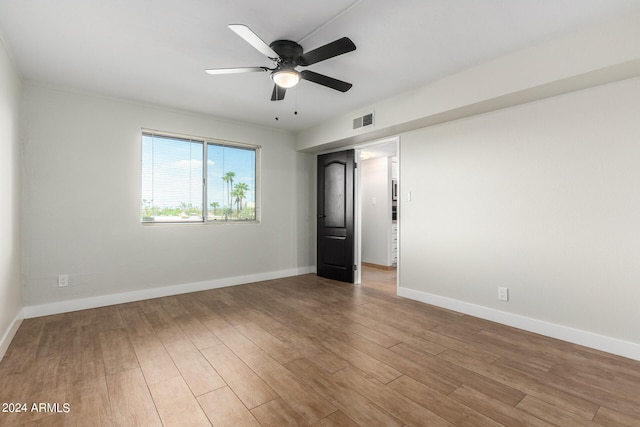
(240, 189)
(238, 200)
(228, 178)
(214, 206)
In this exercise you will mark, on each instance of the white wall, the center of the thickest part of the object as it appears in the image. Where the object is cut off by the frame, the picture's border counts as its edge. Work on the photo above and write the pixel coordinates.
(82, 200)
(375, 190)
(10, 278)
(543, 198)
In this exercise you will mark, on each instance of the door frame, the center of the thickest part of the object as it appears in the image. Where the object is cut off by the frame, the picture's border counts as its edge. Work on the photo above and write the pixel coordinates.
(357, 191)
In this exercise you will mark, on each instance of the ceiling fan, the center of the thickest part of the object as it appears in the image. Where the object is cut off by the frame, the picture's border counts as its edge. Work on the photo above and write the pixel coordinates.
(286, 56)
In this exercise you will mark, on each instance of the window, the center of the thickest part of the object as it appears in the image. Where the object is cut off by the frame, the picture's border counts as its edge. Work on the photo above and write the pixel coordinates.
(187, 179)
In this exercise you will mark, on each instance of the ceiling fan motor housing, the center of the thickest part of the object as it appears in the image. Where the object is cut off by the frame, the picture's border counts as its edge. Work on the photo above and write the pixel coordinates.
(287, 50)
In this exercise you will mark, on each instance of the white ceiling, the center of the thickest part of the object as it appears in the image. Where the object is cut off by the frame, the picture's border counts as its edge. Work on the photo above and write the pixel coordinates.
(156, 51)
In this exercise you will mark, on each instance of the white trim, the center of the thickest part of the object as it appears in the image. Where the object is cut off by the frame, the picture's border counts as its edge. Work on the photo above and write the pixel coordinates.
(10, 333)
(564, 333)
(361, 145)
(203, 139)
(105, 300)
(357, 218)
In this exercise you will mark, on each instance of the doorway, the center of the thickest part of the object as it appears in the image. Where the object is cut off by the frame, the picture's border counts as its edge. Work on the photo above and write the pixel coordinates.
(358, 229)
(377, 214)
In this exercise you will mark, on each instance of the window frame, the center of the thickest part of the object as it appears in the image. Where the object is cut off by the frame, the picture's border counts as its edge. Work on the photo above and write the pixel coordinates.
(206, 141)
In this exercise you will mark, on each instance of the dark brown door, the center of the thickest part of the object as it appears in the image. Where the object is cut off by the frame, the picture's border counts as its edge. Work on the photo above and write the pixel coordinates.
(336, 216)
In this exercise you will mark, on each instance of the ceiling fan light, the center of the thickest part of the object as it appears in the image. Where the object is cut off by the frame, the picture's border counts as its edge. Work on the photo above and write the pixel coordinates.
(286, 78)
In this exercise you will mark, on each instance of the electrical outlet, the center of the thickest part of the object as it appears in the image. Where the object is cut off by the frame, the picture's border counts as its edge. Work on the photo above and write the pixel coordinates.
(503, 294)
(63, 280)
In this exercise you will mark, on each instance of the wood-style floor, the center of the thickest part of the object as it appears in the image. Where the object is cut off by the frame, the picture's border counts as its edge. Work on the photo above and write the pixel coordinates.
(305, 351)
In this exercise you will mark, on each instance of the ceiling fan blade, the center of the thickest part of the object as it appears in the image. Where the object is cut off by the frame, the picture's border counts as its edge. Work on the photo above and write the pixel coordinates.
(327, 81)
(327, 51)
(252, 38)
(278, 93)
(235, 70)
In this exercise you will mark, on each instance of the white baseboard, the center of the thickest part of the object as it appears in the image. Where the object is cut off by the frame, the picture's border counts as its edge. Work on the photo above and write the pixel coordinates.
(564, 333)
(10, 333)
(111, 299)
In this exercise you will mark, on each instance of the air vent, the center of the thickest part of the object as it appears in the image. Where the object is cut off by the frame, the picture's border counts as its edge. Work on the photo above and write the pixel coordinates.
(363, 121)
